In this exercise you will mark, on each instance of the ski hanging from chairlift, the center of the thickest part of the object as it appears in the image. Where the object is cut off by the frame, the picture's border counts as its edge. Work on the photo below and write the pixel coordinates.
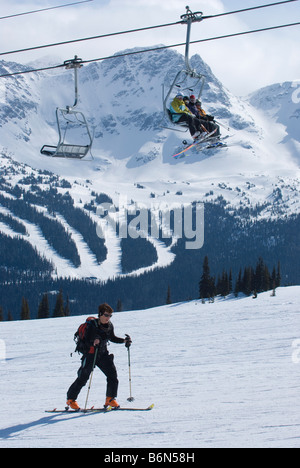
(70, 120)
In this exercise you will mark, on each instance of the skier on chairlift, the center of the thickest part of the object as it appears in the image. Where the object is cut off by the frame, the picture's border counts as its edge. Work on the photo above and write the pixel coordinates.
(180, 113)
(208, 121)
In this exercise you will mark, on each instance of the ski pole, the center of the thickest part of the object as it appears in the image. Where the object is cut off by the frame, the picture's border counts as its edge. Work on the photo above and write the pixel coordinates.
(223, 126)
(91, 377)
(129, 369)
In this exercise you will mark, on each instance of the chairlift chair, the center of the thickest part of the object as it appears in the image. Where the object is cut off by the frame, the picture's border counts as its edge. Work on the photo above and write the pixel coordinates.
(67, 118)
(188, 80)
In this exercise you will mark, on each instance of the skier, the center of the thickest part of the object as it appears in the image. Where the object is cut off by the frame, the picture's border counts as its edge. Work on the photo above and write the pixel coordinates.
(98, 333)
(192, 106)
(208, 121)
(180, 113)
(186, 100)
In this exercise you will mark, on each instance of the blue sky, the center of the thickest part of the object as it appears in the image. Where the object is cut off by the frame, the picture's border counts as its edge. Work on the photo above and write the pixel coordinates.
(243, 64)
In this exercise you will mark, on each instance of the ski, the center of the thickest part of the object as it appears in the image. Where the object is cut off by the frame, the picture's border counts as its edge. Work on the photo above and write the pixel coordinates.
(183, 151)
(121, 408)
(205, 138)
(81, 410)
(215, 143)
(98, 410)
(197, 142)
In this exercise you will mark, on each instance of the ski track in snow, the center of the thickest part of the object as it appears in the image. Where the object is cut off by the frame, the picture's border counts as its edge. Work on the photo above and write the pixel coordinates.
(220, 375)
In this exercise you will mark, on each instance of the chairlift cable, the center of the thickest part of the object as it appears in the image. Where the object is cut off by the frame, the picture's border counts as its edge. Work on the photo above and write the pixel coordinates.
(102, 36)
(44, 9)
(248, 9)
(154, 49)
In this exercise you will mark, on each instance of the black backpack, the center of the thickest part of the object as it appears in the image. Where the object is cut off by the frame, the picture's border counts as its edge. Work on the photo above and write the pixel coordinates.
(80, 336)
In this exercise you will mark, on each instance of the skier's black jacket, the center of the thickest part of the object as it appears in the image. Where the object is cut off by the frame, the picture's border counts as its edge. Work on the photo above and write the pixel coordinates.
(104, 333)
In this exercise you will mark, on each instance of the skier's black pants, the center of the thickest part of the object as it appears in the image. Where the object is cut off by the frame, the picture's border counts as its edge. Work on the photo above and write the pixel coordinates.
(193, 123)
(210, 127)
(105, 362)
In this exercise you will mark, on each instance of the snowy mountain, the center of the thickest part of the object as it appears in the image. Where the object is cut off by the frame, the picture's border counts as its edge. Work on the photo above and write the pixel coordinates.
(48, 206)
(281, 103)
(226, 375)
(121, 99)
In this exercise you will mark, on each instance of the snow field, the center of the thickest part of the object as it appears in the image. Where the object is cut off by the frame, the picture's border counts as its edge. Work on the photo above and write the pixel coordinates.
(220, 375)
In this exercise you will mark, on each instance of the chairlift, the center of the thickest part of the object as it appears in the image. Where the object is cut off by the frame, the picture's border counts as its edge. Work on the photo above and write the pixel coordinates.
(187, 80)
(68, 119)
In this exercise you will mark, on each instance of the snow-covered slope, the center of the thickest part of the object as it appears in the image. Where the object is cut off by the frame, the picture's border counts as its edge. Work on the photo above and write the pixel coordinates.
(220, 375)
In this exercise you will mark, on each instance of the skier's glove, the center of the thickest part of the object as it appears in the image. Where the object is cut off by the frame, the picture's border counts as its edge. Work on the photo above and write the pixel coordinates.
(128, 341)
(96, 342)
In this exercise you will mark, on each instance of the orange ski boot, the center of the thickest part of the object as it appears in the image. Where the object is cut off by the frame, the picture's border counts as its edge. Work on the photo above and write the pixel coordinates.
(110, 401)
(73, 405)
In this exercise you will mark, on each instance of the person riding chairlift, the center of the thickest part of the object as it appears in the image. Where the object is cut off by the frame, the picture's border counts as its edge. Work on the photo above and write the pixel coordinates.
(180, 113)
(208, 121)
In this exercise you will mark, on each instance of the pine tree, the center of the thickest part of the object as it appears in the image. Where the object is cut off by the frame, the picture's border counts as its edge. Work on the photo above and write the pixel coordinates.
(1, 314)
(169, 300)
(223, 287)
(207, 282)
(67, 312)
(25, 312)
(59, 306)
(278, 276)
(273, 279)
(238, 284)
(266, 279)
(119, 306)
(260, 272)
(9, 316)
(43, 310)
(230, 282)
(247, 281)
(219, 285)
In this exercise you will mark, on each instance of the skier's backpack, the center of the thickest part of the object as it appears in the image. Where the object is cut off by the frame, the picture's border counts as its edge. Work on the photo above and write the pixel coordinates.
(79, 337)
